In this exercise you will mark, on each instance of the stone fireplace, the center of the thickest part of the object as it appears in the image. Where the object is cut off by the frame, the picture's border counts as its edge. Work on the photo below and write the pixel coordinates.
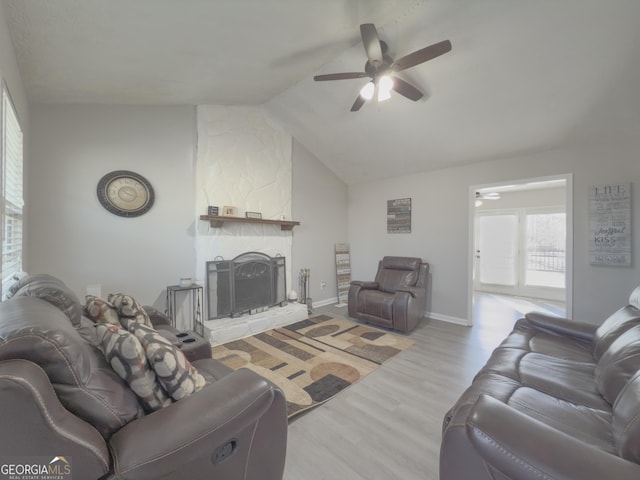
(250, 283)
(244, 160)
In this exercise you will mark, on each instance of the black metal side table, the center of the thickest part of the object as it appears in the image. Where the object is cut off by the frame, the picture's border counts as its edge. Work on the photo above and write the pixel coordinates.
(195, 292)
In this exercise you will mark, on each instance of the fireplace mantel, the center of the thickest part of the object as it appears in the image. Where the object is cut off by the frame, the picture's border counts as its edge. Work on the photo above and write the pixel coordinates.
(218, 221)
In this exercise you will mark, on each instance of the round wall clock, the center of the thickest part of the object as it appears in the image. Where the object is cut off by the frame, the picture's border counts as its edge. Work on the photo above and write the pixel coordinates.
(125, 193)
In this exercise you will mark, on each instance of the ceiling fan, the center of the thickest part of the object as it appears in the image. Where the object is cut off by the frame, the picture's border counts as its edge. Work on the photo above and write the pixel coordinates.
(380, 67)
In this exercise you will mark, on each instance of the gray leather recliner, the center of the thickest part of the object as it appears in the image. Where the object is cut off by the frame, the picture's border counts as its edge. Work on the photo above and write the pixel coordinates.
(396, 299)
(60, 398)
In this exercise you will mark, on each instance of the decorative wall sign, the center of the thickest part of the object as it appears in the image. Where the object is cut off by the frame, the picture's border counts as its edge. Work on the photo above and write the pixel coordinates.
(343, 272)
(253, 214)
(610, 225)
(212, 211)
(399, 215)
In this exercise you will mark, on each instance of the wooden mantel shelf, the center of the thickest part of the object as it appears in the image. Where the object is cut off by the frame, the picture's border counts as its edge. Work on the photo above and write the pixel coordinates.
(217, 221)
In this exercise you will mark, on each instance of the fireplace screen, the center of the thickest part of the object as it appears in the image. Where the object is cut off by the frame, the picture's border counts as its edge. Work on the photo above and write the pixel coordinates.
(251, 281)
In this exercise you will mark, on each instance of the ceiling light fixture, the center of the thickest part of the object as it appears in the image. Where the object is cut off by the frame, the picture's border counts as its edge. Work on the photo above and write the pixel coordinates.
(367, 91)
(385, 85)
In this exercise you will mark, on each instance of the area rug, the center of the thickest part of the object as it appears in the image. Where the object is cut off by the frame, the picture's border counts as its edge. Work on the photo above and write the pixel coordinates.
(314, 359)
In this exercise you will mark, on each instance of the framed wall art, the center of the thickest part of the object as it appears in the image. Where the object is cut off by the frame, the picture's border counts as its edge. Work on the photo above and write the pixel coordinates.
(610, 225)
(399, 215)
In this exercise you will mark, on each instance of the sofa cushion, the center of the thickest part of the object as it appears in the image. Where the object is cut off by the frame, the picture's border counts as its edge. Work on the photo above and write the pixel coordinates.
(614, 326)
(618, 364)
(52, 290)
(564, 379)
(592, 425)
(174, 372)
(21, 279)
(376, 303)
(127, 357)
(626, 420)
(33, 329)
(397, 272)
(527, 337)
(101, 311)
(129, 310)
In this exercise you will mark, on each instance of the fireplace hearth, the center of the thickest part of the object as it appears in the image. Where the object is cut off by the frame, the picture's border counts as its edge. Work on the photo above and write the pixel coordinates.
(251, 282)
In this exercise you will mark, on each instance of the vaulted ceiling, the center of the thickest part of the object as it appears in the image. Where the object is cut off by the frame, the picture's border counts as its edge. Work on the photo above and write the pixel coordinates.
(522, 76)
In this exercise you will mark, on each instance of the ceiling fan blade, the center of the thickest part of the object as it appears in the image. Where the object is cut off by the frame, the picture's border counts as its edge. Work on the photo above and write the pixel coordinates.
(371, 43)
(422, 55)
(406, 89)
(340, 76)
(358, 103)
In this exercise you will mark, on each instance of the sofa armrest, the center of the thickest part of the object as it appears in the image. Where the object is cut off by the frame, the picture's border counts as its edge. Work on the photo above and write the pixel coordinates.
(562, 326)
(214, 433)
(158, 318)
(524, 448)
(365, 285)
(34, 420)
(413, 291)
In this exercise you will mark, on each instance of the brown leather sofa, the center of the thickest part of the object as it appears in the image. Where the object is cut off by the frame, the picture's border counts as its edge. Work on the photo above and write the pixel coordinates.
(557, 399)
(60, 398)
(396, 299)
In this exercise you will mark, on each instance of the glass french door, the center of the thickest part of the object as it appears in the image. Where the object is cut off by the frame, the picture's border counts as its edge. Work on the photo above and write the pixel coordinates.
(496, 253)
(521, 252)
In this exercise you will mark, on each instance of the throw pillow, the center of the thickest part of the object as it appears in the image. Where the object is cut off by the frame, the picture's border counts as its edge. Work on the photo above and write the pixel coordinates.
(101, 311)
(174, 372)
(129, 310)
(126, 356)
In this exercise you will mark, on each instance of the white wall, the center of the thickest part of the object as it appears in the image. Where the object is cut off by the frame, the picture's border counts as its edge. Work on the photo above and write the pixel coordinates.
(72, 236)
(320, 204)
(440, 222)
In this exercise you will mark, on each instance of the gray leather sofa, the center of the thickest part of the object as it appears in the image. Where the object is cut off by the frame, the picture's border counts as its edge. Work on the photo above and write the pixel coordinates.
(60, 398)
(396, 298)
(558, 399)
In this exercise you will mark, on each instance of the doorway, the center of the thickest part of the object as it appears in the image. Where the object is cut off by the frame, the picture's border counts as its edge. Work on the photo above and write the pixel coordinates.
(520, 238)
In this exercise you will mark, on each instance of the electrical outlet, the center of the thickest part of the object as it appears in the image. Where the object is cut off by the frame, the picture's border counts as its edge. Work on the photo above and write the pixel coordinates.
(323, 285)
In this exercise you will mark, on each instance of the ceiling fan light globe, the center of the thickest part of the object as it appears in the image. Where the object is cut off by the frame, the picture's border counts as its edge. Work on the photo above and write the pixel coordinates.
(385, 83)
(366, 92)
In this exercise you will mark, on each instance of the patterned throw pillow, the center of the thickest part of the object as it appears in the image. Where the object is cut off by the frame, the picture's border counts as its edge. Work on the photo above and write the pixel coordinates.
(129, 310)
(126, 356)
(174, 372)
(101, 311)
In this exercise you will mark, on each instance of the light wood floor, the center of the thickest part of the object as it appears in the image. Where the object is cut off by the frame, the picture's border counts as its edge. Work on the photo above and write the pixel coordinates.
(387, 426)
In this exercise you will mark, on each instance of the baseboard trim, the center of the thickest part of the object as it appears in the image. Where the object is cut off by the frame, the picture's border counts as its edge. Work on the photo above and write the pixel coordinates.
(324, 303)
(448, 318)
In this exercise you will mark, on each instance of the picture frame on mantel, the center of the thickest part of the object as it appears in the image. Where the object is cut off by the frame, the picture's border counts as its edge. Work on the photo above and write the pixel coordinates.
(257, 215)
(213, 211)
(228, 211)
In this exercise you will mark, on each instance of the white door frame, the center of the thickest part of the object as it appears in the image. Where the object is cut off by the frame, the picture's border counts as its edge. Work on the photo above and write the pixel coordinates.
(569, 218)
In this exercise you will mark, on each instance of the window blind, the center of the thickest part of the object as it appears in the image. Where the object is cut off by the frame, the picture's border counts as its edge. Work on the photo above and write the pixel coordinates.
(12, 198)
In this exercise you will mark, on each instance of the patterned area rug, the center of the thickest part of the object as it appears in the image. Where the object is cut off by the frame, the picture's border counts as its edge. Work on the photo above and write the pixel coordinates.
(314, 359)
